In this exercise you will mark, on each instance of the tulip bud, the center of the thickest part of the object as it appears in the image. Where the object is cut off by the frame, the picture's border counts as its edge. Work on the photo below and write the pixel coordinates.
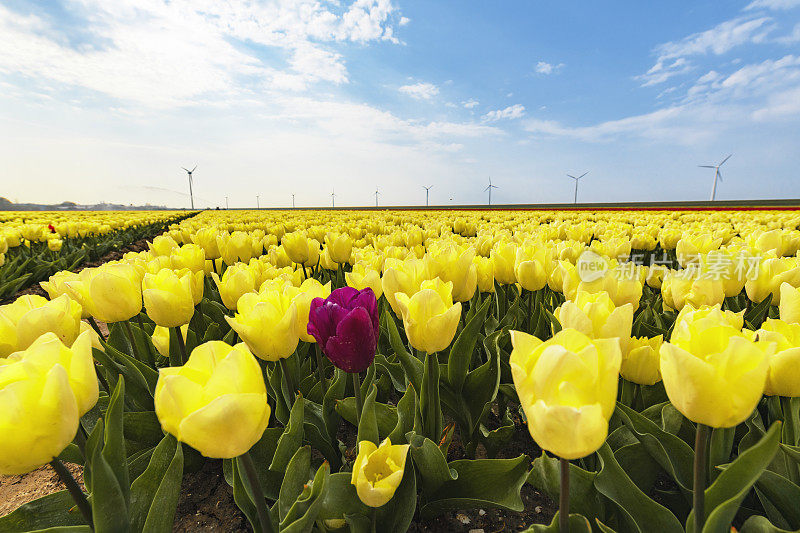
(596, 316)
(236, 280)
(308, 291)
(401, 277)
(363, 276)
(339, 246)
(378, 471)
(163, 245)
(640, 363)
(783, 379)
(529, 265)
(568, 388)
(161, 338)
(189, 256)
(296, 247)
(115, 292)
(503, 256)
(168, 298)
(267, 323)
(30, 316)
(38, 414)
(484, 269)
(345, 325)
(429, 316)
(216, 402)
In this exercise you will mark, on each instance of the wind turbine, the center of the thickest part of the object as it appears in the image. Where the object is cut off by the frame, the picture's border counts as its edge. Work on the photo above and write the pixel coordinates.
(191, 195)
(717, 175)
(226, 202)
(376, 196)
(489, 188)
(427, 190)
(292, 200)
(575, 200)
(258, 204)
(333, 198)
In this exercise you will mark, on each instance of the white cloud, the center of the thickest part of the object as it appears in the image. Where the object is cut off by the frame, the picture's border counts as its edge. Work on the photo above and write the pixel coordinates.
(164, 53)
(420, 90)
(543, 67)
(773, 4)
(404, 21)
(509, 113)
(471, 103)
(672, 57)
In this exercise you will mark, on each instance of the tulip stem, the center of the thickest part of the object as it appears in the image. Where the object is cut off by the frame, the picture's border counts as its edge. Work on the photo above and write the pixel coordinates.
(181, 345)
(74, 490)
(152, 359)
(359, 402)
(288, 377)
(530, 312)
(321, 370)
(126, 325)
(258, 493)
(373, 518)
(699, 487)
(563, 500)
(96, 328)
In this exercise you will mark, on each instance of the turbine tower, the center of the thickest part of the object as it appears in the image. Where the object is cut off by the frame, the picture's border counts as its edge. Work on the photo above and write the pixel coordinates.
(191, 195)
(575, 199)
(226, 202)
(427, 190)
(333, 198)
(376, 196)
(489, 188)
(258, 203)
(717, 175)
(292, 200)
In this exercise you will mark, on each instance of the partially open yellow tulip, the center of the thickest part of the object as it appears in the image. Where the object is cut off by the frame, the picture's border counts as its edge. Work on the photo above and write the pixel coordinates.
(429, 316)
(378, 471)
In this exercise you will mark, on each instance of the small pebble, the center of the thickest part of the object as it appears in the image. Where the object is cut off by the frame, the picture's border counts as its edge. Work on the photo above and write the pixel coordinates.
(476, 530)
(481, 512)
(537, 509)
(464, 519)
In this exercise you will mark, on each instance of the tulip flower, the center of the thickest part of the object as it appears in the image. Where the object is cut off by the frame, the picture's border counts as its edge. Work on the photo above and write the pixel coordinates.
(189, 256)
(640, 362)
(691, 286)
(568, 388)
(529, 265)
(401, 277)
(267, 322)
(216, 402)
(363, 276)
(690, 247)
(339, 247)
(378, 471)
(30, 316)
(308, 291)
(596, 316)
(206, 238)
(429, 316)
(163, 245)
(789, 307)
(296, 247)
(484, 268)
(38, 415)
(345, 325)
(160, 338)
(503, 257)
(453, 263)
(783, 378)
(236, 281)
(772, 272)
(168, 298)
(114, 292)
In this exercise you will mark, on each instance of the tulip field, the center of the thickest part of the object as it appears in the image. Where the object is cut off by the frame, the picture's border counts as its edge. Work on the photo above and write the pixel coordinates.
(395, 370)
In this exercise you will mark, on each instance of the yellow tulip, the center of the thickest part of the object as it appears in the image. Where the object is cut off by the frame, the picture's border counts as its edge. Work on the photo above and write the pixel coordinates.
(529, 265)
(216, 402)
(790, 303)
(783, 378)
(401, 277)
(161, 338)
(206, 238)
(48, 351)
(308, 290)
(296, 247)
(189, 256)
(235, 247)
(689, 286)
(771, 274)
(503, 256)
(378, 471)
(363, 276)
(339, 247)
(713, 373)
(596, 316)
(690, 247)
(568, 388)
(640, 362)
(484, 267)
(55, 286)
(31, 316)
(38, 415)
(267, 323)
(163, 245)
(429, 316)
(450, 262)
(236, 281)
(168, 298)
(55, 244)
(115, 292)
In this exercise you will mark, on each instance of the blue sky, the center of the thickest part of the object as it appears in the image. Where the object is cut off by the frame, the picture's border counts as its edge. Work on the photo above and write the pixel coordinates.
(105, 101)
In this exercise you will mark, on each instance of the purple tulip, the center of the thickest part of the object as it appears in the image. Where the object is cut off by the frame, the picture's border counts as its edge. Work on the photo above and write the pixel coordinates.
(345, 326)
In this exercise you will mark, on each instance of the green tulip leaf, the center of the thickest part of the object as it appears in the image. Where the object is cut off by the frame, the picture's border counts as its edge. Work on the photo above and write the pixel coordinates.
(639, 511)
(461, 350)
(341, 499)
(545, 475)
(577, 524)
(480, 483)
(780, 498)
(412, 366)
(760, 524)
(291, 439)
(302, 515)
(385, 415)
(161, 515)
(430, 463)
(143, 488)
(296, 477)
(45, 512)
(367, 424)
(114, 441)
(395, 516)
(406, 415)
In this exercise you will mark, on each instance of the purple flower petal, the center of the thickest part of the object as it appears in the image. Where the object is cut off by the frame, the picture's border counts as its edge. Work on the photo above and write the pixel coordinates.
(353, 347)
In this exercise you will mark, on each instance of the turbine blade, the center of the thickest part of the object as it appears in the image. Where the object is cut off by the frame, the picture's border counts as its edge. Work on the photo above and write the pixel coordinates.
(719, 175)
(582, 175)
(486, 189)
(195, 167)
(186, 169)
(571, 176)
(706, 166)
(725, 159)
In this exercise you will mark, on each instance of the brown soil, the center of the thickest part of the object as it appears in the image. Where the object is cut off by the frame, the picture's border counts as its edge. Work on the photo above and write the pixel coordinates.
(16, 490)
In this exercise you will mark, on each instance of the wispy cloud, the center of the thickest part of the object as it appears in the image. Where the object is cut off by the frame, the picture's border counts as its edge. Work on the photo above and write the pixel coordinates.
(420, 90)
(471, 103)
(773, 4)
(543, 67)
(509, 113)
